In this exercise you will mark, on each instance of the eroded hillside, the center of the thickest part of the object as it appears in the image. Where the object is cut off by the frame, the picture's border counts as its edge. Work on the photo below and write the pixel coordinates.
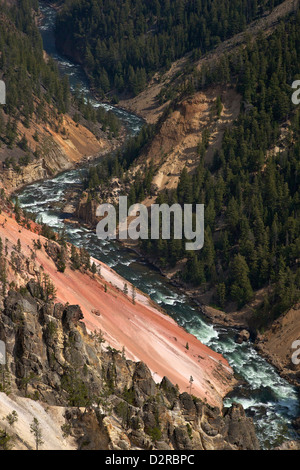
(96, 367)
(146, 333)
(176, 144)
(44, 129)
(56, 151)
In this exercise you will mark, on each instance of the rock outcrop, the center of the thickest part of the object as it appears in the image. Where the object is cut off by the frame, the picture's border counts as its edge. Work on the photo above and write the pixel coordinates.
(56, 151)
(280, 344)
(242, 337)
(109, 402)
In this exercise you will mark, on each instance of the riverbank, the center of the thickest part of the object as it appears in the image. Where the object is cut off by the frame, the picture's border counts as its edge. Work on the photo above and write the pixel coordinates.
(274, 344)
(16, 183)
(133, 324)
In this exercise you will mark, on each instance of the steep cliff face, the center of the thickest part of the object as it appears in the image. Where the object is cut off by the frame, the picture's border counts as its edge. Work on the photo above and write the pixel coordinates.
(280, 344)
(101, 399)
(86, 210)
(56, 150)
(192, 121)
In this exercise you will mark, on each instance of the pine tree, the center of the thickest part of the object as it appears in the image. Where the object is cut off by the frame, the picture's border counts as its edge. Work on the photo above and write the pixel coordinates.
(35, 429)
(241, 289)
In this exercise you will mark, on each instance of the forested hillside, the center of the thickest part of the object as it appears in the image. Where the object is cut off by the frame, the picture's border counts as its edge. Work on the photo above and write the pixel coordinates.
(251, 191)
(250, 188)
(31, 82)
(39, 104)
(123, 43)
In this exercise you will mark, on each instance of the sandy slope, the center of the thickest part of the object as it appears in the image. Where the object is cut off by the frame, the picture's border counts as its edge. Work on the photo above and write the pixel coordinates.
(50, 419)
(175, 144)
(145, 332)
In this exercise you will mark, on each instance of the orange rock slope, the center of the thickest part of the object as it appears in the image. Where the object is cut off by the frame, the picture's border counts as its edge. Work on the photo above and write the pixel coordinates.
(146, 333)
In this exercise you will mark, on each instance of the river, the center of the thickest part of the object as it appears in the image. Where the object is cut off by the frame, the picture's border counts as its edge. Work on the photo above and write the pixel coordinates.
(271, 401)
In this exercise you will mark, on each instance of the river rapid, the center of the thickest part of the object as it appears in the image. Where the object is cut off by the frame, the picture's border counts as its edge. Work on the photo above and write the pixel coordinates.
(271, 401)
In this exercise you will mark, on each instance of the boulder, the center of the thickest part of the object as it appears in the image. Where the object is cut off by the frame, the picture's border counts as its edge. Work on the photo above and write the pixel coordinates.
(242, 337)
(240, 429)
(143, 381)
(72, 314)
